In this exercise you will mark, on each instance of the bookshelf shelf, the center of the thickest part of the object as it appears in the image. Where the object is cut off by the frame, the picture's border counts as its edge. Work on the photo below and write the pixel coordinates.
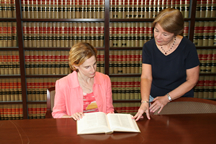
(15, 102)
(55, 49)
(125, 75)
(37, 102)
(8, 19)
(62, 20)
(127, 101)
(9, 49)
(207, 74)
(138, 20)
(205, 47)
(44, 76)
(125, 48)
(10, 76)
(205, 19)
(131, 20)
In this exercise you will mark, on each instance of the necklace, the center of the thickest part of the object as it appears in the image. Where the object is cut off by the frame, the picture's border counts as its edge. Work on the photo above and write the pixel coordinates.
(165, 52)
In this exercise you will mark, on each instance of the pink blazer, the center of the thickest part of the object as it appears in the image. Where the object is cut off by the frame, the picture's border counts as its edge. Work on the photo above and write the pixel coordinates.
(69, 95)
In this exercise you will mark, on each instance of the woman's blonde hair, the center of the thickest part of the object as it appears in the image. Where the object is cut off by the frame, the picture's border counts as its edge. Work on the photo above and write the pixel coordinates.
(171, 20)
(79, 53)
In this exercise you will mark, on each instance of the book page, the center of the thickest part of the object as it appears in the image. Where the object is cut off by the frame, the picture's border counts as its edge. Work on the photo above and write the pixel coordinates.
(122, 122)
(93, 123)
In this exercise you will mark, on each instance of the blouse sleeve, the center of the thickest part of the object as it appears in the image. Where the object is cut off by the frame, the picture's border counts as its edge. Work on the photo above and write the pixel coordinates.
(146, 56)
(109, 96)
(59, 108)
(192, 59)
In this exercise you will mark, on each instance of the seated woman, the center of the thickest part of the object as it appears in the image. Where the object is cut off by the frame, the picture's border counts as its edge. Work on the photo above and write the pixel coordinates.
(84, 90)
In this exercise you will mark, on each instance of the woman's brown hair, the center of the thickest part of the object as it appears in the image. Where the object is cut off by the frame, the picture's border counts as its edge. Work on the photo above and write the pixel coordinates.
(171, 20)
(79, 53)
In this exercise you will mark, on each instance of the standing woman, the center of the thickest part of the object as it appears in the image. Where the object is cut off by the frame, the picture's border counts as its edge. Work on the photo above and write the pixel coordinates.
(170, 66)
(84, 90)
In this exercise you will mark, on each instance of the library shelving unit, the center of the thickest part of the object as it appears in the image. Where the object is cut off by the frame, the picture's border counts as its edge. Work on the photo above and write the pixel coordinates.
(106, 23)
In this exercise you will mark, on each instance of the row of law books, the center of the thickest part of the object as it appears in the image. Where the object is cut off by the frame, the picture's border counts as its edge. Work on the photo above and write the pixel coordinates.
(207, 59)
(125, 61)
(9, 63)
(205, 9)
(37, 111)
(37, 88)
(8, 34)
(130, 34)
(53, 62)
(128, 108)
(125, 88)
(145, 8)
(62, 34)
(133, 34)
(10, 90)
(11, 111)
(46, 62)
(205, 87)
(7, 9)
(204, 33)
(62, 9)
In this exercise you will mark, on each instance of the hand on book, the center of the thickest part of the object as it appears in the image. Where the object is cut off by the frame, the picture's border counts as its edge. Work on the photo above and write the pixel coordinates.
(77, 116)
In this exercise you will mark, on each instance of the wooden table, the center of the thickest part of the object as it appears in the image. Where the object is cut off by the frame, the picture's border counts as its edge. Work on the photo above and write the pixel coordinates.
(166, 129)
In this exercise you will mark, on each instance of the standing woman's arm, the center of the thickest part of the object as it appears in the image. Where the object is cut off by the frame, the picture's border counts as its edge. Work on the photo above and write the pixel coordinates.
(146, 80)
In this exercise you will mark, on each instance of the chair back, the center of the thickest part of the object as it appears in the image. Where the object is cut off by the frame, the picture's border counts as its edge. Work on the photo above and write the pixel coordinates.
(50, 101)
(185, 105)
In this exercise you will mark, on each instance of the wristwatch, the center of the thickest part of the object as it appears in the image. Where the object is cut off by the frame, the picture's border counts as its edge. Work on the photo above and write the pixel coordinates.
(169, 97)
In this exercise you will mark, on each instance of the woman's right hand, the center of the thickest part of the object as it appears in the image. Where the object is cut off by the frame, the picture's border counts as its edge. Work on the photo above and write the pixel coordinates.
(77, 116)
(143, 108)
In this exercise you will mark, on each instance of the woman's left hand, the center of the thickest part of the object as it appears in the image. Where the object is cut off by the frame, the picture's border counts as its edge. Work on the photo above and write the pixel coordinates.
(158, 103)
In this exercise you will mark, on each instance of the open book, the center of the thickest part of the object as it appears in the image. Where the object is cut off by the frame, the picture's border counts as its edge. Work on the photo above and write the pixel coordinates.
(99, 122)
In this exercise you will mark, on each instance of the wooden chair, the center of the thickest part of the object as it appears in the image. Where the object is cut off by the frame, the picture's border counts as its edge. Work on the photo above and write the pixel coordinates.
(50, 101)
(185, 105)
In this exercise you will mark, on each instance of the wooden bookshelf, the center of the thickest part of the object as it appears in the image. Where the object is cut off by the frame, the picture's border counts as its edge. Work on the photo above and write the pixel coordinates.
(106, 46)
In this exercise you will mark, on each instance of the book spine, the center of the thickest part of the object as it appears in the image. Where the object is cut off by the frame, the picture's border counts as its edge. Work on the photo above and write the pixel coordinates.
(206, 28)
(128, 64)
(119, 62)
(213, 69)
(111, 9)
(211, 33)
(115, 64)
(111, 62)
(200, 33)
(102, 60)
(213, 8)
(137, 33)
(98, 61)
(123, 61)
(118, 33)
(202, 8)
(132, 57)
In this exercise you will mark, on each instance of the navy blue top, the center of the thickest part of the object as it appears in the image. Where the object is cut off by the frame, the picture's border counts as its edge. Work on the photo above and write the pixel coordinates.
(168, 72)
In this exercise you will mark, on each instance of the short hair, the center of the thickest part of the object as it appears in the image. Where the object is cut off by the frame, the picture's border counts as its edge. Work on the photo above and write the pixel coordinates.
(171, 20)
(79, 53)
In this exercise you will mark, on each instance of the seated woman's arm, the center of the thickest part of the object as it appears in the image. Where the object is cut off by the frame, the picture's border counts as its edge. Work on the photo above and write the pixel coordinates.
(109, 100)
(59, 109)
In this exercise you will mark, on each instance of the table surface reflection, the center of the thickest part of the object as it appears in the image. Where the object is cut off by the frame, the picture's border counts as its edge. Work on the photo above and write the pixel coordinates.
(182, 129)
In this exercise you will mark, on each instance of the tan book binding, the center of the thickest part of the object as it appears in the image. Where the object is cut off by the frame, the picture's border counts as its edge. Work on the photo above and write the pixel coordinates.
(40, 62)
